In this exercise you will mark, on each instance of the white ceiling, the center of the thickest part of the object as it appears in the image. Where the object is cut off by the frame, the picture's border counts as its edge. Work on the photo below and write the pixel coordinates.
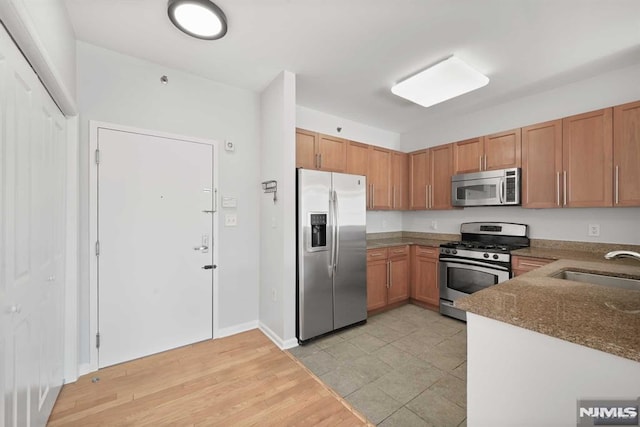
(348, 53)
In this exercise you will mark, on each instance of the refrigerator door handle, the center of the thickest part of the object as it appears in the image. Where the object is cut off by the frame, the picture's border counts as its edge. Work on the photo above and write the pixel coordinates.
(332, 222)
(337, 231)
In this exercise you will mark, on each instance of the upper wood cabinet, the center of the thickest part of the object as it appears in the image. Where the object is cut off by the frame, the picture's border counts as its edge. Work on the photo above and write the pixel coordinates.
(542, 165)
(468, 156)
(441, 169)
(379, 178)
(399, 181)
(491, 152)
(322, 152)
(357, 158)
(306, 146)
(430, 178)
(587, 159)
(626, 154)
(419, 180)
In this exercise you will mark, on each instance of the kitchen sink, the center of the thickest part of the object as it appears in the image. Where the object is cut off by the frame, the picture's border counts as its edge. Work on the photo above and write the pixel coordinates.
(599, 279)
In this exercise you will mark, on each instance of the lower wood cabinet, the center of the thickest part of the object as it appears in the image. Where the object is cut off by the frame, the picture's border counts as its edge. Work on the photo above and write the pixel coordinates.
(521, 264)
(387, 276)
(424, 283)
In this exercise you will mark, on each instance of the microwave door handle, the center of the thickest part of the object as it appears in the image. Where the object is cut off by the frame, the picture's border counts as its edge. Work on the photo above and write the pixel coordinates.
(501, 191)
(469, 262)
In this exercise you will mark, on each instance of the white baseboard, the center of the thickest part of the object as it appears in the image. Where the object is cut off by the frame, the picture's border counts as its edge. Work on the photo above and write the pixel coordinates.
(282, 344)
(236, 329)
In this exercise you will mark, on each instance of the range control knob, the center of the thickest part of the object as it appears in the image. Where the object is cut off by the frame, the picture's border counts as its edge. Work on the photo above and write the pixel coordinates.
(454, 252)
(447, 251)
(495, 256)
(486, 255)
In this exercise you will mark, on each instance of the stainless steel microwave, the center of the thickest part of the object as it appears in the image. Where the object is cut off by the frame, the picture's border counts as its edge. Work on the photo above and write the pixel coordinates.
(488, 188)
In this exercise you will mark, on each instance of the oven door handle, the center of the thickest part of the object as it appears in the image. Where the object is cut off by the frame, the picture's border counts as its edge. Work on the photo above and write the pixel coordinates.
(479, 264)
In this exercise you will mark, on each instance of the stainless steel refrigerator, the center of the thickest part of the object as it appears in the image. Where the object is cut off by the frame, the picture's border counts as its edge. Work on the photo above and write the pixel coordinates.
(331, 252)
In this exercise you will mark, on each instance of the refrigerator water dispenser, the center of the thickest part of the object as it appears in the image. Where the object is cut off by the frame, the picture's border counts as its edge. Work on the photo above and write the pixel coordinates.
(318, 231)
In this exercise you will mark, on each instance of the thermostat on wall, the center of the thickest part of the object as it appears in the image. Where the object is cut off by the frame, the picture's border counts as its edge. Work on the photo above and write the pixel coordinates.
(229, 146)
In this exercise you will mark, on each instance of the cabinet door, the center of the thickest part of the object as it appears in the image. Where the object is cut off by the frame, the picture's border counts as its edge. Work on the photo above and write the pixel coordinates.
(357, 158)
(587, 156)
(467, 156)
(306, 145)
(399, 181)
(502, 150)
(542, 165)
(377, 279)
(425, 280)
(332, 152)
(380, 177)
(398, 279)
(419, 180)
(521, 265)
(626, 154)
(441, 171)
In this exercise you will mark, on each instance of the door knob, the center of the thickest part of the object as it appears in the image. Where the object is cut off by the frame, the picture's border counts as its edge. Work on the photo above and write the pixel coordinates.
(201, 248)
(209, 267)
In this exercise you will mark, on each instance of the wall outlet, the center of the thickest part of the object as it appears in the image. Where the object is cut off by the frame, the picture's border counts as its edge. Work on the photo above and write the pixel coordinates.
(594, 230)
(434, 225)
(230, 220)
(273, 294)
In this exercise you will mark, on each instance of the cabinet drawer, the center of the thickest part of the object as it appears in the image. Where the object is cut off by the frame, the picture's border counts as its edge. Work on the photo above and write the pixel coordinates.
(524, 264)
(376, 254)
(427, 251)
(397, 251)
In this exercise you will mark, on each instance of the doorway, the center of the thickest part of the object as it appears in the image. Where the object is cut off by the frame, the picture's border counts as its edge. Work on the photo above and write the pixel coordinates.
(155, 217)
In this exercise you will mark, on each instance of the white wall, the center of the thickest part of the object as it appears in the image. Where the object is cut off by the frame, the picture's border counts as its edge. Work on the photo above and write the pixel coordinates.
(617, 225)
(44, 33)
(124, 90)
(277, 219)
(620, 225)
(318, 121)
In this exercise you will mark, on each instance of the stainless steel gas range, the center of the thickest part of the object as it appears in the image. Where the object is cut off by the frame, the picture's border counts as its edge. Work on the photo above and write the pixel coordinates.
(480, 260)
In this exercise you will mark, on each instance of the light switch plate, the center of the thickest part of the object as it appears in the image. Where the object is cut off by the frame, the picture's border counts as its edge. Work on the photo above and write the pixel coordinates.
(229, 202)
(230, 220)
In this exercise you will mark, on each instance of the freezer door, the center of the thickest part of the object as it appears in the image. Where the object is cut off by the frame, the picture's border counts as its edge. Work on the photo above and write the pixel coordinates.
(315, 287)
(350, 277)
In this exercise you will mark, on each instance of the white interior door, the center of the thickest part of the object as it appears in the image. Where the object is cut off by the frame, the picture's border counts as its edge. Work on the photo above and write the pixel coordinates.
(32, 143)
(155, 237)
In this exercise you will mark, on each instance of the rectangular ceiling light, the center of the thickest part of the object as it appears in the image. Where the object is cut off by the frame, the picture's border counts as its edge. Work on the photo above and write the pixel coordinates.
(445, 80)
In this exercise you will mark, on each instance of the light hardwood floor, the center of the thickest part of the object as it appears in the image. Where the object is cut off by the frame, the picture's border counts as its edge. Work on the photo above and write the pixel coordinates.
(240, 380)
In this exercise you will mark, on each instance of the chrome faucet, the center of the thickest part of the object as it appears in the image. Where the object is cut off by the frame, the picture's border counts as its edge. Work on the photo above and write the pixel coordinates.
(623, 254)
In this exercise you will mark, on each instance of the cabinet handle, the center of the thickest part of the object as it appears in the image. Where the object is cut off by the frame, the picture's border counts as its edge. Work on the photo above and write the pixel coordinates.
(617, 184)
(394, 196)
(564, 192)
(426, 197)
(387, 284)
(373, 196)
(480, 163)
(320, 160)
(485, 162)
(558, 188)
(430, 196)
(390, 273)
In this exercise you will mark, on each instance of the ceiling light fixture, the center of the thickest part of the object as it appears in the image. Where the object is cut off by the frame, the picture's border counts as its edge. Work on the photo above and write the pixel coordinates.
(445, 80)
(198, 18)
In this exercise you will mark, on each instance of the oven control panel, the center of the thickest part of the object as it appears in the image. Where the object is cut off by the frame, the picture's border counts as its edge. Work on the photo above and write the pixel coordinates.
(475, 254)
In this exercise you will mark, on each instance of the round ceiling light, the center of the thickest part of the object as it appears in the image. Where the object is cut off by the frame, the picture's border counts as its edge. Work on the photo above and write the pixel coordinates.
(198, 18)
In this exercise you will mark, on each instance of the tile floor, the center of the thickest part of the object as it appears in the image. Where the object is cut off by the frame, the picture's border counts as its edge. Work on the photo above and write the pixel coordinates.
(404, 367)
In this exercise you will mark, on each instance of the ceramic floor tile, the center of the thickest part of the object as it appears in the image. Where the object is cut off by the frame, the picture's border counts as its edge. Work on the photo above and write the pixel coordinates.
(463, 423)
(343, 381)
(437, 410)
(405, 384)
(369, 367)
(451, 388)
(461, 372)
(418, 342)
(384, 333)
(395, 357)
(328, 341)
(304, 350)
(445, 329)
(319, 363)
(454, 346)
(352, 332)
(344, 351)
(373, 403)
(404, 418)
(367, 343)
(444, 361)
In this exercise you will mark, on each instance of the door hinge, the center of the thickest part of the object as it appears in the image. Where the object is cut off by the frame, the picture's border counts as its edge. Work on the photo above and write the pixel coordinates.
(97, 247)
(97, 156)
(98, 340)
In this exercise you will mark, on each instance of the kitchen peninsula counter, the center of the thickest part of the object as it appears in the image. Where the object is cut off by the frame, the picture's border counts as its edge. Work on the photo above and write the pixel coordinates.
(599, 317)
